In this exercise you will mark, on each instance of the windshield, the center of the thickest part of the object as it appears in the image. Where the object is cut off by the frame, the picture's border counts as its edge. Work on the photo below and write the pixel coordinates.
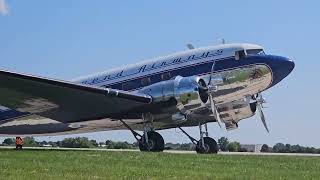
(255, 52)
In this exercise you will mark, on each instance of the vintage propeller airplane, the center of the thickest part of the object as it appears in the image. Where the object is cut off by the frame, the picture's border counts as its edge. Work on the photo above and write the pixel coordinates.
(220, 84)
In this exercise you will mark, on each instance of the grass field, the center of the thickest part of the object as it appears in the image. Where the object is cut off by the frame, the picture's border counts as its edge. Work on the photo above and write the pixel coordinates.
(45, 164)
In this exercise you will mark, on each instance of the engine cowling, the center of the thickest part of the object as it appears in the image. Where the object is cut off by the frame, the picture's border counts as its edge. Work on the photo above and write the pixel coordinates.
(189, 93)
(232, 112)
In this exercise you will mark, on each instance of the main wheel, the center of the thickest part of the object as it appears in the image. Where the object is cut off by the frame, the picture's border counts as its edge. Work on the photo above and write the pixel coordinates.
(155, 142)
(210, 146)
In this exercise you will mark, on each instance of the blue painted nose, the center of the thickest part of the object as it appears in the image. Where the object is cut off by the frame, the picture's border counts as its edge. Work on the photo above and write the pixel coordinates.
(281, 68)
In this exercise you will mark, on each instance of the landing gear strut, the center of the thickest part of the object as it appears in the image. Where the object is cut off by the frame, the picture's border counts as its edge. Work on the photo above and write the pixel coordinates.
(155, 142)
(149, 141)
(206, 145)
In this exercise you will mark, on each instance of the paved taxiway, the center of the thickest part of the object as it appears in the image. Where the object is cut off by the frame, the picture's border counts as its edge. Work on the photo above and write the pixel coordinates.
(166, 151)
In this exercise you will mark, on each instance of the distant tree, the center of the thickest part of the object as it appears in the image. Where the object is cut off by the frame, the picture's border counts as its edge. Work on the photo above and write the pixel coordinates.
(279, 148)
(310, 150)
(30, 141)
(59, 143)
(296, 149)
(123, 145)
(94, 143)
(43, 143)
(108, 142)
(78, 142)
(187, 147)
(265, 148)
(223, 143)
(9, 141)
(135, 144)
(54, 144)
(288, 148)
(102, 144)
(119, 145)
(233, 146)
(178, 146)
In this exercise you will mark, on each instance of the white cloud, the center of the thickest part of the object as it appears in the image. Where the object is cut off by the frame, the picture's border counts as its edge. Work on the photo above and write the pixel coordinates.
(3, 8)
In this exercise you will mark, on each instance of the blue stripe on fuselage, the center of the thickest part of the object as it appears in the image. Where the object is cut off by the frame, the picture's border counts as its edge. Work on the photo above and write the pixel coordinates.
(204, 68)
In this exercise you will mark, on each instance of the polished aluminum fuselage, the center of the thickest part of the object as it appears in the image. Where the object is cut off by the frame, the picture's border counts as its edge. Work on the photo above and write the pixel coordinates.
(235, 81)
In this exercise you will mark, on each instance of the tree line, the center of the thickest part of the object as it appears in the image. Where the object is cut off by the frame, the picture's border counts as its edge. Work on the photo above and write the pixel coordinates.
(288, 148)
(78, 142)
(223, 143)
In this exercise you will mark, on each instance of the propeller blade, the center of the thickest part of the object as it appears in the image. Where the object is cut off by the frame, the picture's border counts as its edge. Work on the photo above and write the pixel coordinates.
(262, 117)
(212, 103)
(212, 69)
(260, 98)
(215, 111)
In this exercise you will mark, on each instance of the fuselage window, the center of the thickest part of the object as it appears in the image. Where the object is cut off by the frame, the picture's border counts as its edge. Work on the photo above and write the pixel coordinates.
(165, 76)
(255, 52)
(240, 55)
(106, 86)
(128, 85)
(145, 81)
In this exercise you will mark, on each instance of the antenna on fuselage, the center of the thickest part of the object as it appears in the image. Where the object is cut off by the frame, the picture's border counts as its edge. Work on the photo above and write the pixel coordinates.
(223, 41)
(190, 46)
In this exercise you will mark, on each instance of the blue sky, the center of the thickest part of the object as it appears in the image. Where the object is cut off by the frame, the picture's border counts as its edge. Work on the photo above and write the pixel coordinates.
(66, 39)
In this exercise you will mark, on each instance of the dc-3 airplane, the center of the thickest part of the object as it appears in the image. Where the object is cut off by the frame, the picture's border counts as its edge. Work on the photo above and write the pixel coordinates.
(220, 84)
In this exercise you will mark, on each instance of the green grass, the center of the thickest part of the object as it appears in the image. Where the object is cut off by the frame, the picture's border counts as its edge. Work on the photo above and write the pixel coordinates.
(45, 164)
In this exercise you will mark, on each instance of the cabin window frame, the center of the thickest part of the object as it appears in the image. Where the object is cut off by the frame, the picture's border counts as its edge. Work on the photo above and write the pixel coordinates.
(240, 54)
(146, 81)
(128, 85)
(165, 76)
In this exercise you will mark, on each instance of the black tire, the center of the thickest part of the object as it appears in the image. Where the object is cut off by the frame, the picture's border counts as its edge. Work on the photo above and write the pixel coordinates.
(142, 145)
(156, 142)
(211, 146)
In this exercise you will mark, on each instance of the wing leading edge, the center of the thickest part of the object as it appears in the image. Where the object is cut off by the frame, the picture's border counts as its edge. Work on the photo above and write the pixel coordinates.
(64, 101)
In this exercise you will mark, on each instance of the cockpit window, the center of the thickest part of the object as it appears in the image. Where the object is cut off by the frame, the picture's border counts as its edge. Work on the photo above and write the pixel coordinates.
(240, 55)
(255, 52)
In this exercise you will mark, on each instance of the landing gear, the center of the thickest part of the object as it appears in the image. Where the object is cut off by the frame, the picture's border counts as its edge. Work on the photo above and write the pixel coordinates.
(155, 142)
(150, 140)
(206, 145)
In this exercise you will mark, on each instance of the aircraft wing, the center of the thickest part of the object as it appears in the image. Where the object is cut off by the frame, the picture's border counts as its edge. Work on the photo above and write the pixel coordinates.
(64, 101)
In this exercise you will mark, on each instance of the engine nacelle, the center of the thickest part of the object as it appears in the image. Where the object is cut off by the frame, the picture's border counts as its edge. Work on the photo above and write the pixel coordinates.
(188, 92)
